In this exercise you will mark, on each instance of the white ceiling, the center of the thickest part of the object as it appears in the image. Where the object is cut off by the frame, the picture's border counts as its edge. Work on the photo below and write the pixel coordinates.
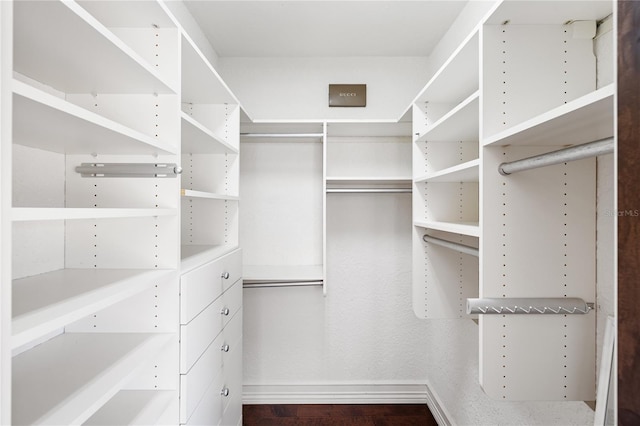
(303, 28)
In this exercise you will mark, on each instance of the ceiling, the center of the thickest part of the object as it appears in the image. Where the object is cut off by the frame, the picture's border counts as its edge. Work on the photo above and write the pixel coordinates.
(302, 28)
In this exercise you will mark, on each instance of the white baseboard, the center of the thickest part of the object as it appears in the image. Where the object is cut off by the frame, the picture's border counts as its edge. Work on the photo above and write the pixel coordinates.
(436, 407)
(336, 393)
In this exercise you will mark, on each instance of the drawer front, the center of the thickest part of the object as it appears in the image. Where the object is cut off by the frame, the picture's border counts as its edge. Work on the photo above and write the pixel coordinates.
(232, 373)
(195, 383)
(201, 286)
(198, 334)
(231, 302)
(209, 410)
(232, 337)
(231, 269)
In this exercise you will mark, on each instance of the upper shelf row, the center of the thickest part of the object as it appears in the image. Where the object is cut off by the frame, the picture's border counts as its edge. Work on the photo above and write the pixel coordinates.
(110, 53)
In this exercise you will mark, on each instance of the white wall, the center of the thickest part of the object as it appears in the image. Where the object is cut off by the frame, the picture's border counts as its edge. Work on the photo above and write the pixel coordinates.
(298, 88)
(364, 334)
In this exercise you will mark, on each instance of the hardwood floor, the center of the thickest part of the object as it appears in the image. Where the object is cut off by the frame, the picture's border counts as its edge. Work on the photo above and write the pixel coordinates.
(338, 415)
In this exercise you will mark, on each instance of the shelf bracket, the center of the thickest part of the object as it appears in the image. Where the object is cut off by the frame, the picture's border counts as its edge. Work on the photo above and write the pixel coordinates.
(116, 170)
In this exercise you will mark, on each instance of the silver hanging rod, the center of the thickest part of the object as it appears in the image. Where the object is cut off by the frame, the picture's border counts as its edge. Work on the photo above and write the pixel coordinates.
(103, 170)
(540, 305)
(368, 190)
(572, 153)
(268, 284)
(451, 245)
(282, 135)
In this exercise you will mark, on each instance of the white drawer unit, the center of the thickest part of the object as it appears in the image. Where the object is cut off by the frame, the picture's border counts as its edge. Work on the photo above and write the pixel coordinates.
(201, 286)
(211, 343)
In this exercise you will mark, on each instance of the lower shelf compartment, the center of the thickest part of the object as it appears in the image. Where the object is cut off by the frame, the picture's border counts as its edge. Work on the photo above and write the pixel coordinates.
(134, 407)
(70, 377)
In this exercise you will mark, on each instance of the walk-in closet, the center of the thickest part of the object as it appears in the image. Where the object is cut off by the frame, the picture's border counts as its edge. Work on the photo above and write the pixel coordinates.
(209, 206)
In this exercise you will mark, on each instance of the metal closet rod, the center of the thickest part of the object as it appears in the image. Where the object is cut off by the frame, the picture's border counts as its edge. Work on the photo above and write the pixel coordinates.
(531, 305)
(282, 135)
(267, 284)
(368, 190)
(451, 245)
(573, 153)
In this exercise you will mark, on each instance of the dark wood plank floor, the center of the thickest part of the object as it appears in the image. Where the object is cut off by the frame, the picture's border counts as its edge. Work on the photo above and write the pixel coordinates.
(338, 415)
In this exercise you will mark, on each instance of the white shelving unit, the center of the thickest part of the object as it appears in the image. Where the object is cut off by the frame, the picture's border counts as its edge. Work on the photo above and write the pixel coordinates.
(446, 176)
(93, 306)
(210, 151)
(534, 92)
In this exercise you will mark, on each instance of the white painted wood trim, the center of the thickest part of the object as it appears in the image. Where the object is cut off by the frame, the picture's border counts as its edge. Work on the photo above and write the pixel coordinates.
(336, 393)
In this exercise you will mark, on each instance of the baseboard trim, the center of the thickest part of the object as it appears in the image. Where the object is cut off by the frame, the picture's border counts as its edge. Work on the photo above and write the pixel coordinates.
(437, 408)
(336, 393)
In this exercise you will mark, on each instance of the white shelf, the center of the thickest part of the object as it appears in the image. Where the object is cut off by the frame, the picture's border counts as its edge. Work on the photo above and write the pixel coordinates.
(459, 124)
(284, 273)
(585, 119)
(62, 45)
(193, 256)
(50, 123)
(46, 302)
(457, 78)
(133, 407)
(368, 129)
(21, 214)
(201, 84)
(465, 172)
(368, 180)
(471, 229)
(535, 12)
(197, 139)
(85, 369)
(207, 195)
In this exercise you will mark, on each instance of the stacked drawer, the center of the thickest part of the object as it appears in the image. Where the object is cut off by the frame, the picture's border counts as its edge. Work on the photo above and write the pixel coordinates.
(211, 343)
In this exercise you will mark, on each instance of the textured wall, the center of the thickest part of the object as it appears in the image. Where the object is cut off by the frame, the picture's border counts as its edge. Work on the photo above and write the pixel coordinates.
(298, 88)
(364, 331)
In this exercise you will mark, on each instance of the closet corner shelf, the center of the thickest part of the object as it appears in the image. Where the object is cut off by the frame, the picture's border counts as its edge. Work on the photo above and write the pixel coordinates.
(46, 302)
(84, 377)
(108, 65)
(457, 77)
(189, 193)
(66, 128)
(198, 139)
(133, 407)
(459, 124)
(471, 229)
(585, 119)
(465, 172)
(201, 84)
(193, 256)
(21, 214)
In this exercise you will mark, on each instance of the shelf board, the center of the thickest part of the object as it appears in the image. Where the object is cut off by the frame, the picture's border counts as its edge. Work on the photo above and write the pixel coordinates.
(46, 302)
(369, 180)
(197, 139)
(535, 12)
(201, 83)
(84, 369)
(193, 256)
(62, 45)
(282, 273)
(133, 407)
(459, 124)
(21, 214)
(50, 123)
(465, 172)
(582, 120)
(368, 128)
(207, 195)
(471, 229)
(458, 76)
